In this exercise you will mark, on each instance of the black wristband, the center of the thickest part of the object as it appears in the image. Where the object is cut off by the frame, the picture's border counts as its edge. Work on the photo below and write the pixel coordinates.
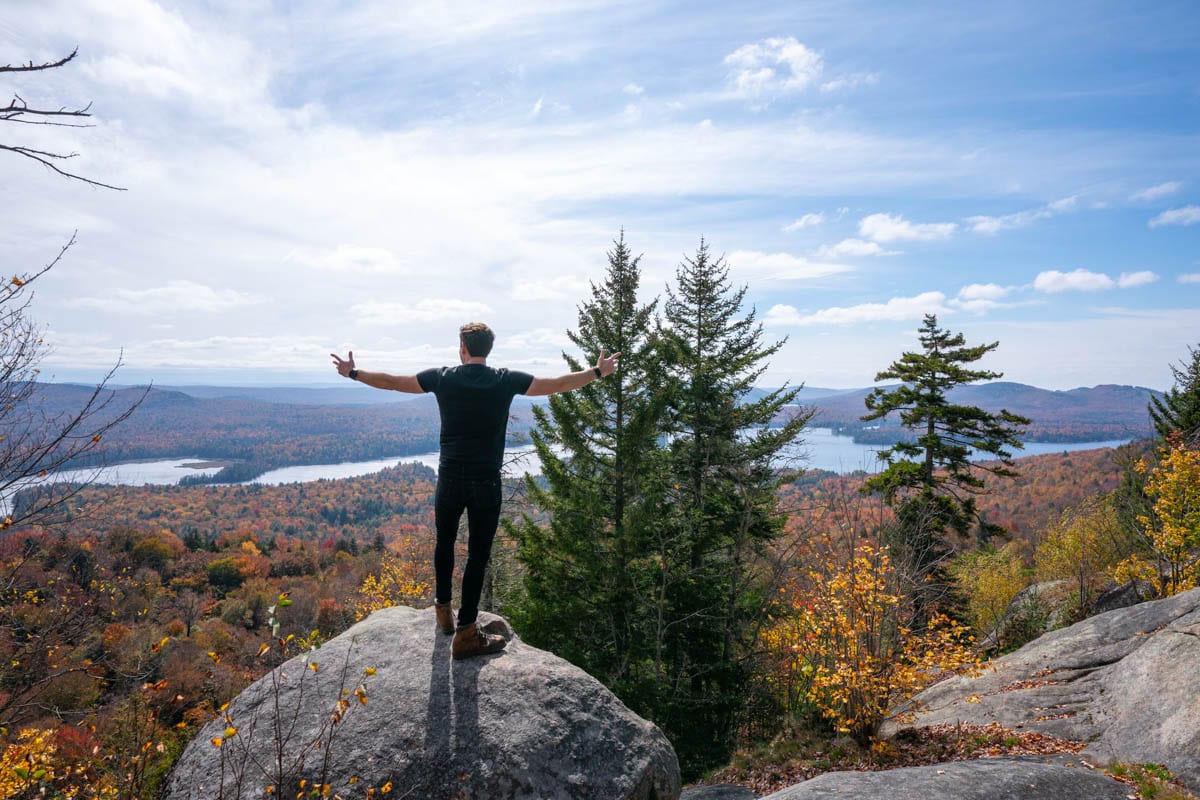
(596, 370)
(352, 374)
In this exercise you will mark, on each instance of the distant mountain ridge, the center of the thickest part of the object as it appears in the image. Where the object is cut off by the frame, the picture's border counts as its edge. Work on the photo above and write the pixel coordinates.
(348, 393)
(1102, 412)
(1107, 411)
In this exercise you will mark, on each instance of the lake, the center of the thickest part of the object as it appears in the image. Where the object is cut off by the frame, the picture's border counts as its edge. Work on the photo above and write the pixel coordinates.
(822, 449)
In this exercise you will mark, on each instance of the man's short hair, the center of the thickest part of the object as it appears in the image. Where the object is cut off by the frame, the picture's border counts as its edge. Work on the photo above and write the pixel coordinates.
(478, 338)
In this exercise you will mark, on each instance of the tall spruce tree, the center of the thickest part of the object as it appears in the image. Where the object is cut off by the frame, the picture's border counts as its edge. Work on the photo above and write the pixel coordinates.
(721, 476)
(931, 482)
(1179, 409)
(585, 571)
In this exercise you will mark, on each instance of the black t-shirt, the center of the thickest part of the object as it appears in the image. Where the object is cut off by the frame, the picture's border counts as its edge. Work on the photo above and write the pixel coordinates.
(474, 400)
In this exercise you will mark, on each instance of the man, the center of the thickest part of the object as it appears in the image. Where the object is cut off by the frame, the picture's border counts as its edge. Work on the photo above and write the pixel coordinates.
(473, 399)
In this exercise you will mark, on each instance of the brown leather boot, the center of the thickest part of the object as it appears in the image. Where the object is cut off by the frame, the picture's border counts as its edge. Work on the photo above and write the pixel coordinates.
(472, 641)
(445, 617)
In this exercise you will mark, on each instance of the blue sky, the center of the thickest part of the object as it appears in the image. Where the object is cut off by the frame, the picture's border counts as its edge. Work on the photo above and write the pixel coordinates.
(313, 176)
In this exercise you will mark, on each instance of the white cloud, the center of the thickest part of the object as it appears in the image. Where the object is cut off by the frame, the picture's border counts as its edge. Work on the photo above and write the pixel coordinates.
(853, 247)
(426, 310)
(984, 224)
(1082, 280)
(537, 107)
(983, 291)
(415, 139)
(894, 228)
(634, 89)
(537, 340)
(562, 287)
(978, 306)
(153, 79)
(851, 82)
(806, 221)
(176, 296)
(349, 258)
(772, 67)
(1189, 277)
(1130, 280)
(1157, 192)
(780, 266)
(896, 309)
(991, 225)
(1079, 280)
(979, 298)
(1188, 215)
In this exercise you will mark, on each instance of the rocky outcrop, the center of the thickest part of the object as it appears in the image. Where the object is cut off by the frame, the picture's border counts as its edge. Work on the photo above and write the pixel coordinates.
(1122, 595)
(982, 779)
(518, 724)
(1125, 681)
(1036, 609)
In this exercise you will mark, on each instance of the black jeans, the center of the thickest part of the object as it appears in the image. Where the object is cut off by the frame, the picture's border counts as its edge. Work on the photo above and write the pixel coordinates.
(480, 498)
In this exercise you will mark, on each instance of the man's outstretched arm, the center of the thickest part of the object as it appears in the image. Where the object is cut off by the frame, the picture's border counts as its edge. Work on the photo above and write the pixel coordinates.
(378, 380)
(573, 380)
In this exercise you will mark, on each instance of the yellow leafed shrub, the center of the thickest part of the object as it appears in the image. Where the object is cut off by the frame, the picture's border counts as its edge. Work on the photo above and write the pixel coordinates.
(31, 766)
(990, 579)
(845, 646)
(400, 581)
(1173, 527)
(1083, 547)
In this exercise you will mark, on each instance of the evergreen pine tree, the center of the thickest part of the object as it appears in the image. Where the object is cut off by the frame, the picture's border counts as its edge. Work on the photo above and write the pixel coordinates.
(584, 572)
(723, 442)
(1179, 409)
(930, 482)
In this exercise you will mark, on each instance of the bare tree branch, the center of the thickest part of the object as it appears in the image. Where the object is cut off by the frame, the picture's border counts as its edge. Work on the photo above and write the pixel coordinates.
(18, 108)
(34, 443)
(43, 157)
(31, 67)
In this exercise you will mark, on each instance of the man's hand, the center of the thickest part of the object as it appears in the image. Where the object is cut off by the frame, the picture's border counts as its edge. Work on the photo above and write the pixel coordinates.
(377, 380)
(344, 367)
(607, 366)
(574, 380)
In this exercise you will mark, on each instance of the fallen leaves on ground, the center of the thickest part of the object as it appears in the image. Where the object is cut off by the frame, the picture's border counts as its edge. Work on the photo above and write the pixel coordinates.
(809, 756)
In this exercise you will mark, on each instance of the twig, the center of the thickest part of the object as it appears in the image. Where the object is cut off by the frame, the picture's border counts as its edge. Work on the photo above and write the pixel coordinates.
(43, 157)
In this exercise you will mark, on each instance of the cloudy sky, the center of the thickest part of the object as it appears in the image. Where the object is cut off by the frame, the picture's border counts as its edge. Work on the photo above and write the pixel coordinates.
(308, 175)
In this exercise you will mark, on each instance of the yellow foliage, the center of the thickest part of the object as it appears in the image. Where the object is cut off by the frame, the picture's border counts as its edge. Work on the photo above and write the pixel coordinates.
(31, 767)
(1083, 547)
(1173, 528)
(1135, 568)
(398, 583)
(990, 579)
(845, 642)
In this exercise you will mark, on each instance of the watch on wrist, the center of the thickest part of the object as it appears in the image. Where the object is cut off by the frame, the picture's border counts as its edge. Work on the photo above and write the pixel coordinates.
(352, 374)
(596, 370)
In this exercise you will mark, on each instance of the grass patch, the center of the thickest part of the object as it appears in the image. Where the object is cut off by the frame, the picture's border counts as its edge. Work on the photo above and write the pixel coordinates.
(1152, 781)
